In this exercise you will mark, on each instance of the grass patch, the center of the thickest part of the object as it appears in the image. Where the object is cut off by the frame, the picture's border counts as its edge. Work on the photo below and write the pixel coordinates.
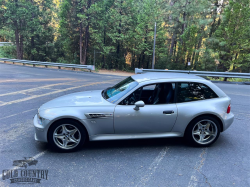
(7, 51)
(1, 53)
(229, 79)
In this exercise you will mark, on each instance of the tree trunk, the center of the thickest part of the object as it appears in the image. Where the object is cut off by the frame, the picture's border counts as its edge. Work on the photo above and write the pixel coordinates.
(32, 42)
(198, 53)
(145, 42)
(143, 58)
(133, 60)
(118, 43)
(117, 53)
(193, 64)
(80, 43)
(174, 33)
(172, 44)
(103, 61)
(86, 39)
(86, 43)
(104, 42)
(148, 63)
(175, 53)
(18, 55)
(214, 16)
(184, 25)
(18, 37)
(32, 47)
(21, 47)
(139, 63)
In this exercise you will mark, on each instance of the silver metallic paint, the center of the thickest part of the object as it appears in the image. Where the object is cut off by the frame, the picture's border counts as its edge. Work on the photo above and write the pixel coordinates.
(127, 123)
(87, 98)
(190, 110)
(149, 119)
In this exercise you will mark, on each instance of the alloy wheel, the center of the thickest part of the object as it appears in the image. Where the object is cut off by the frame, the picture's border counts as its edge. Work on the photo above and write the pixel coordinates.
(66, 136)
(204, 132)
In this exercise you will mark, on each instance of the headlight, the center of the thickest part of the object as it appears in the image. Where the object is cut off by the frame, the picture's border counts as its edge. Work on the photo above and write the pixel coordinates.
(39, 119)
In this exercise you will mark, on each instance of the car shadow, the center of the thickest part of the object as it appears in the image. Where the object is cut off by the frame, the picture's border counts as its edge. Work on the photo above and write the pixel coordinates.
(123, 144)
(137, 143)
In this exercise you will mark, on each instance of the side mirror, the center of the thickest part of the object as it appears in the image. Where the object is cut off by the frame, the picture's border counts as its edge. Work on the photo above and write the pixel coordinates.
(139, 104)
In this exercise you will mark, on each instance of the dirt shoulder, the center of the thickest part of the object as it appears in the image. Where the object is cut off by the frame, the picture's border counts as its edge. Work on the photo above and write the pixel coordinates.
(110, 72)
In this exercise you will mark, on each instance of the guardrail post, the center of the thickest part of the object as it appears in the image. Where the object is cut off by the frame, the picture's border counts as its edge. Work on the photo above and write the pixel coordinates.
(138, 71)
(46, 66)
(23, 64)
(34, 65)
(73, 68)
(13, 62)
(59, 67)
(4, 61)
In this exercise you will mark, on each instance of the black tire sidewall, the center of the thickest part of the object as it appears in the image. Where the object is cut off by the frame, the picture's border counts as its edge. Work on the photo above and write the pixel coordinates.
(71, 122)
(188, 133)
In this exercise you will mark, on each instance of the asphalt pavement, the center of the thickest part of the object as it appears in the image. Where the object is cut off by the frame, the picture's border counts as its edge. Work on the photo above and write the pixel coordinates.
(150, 162)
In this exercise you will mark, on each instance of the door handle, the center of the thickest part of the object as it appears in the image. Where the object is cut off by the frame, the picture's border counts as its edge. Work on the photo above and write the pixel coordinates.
(168, 112)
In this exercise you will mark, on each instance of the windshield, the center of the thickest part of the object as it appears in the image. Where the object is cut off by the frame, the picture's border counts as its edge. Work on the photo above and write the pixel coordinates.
(114, 93)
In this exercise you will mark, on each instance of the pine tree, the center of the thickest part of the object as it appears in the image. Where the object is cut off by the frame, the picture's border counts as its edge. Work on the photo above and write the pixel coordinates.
(231, 39)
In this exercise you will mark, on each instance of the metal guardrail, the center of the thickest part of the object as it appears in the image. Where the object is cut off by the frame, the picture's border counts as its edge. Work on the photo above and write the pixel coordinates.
(200, 73)
(6, 43)
(46, 64)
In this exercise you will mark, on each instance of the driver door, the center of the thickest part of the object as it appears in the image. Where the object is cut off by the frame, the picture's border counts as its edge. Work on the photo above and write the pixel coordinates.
(152, 118)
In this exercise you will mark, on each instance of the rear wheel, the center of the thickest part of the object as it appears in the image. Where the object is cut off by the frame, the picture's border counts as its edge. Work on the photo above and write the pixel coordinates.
(67, 135)
(203, 131)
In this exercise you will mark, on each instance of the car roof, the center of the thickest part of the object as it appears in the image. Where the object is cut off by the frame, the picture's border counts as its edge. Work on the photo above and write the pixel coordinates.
(163, 75)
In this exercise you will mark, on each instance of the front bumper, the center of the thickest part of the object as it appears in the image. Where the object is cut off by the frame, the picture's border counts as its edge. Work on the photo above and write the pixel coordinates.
(228, 120)
(40, 131)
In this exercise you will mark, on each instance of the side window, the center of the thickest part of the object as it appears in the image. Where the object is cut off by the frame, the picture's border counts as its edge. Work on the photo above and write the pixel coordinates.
(132, 98)
(160, 93)
(149, 87)
(188, 91)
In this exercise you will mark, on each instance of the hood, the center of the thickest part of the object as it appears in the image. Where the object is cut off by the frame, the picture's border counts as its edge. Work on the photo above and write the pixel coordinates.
(87, 98)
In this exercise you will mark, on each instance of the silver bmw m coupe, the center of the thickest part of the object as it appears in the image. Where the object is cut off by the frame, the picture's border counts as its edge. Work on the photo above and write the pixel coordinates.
(149, 105)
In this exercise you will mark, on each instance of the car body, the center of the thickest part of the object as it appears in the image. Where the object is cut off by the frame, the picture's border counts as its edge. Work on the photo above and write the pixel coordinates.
(148, 105)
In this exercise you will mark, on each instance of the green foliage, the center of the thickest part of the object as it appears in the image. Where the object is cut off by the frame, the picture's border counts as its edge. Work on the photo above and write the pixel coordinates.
(229, 79)
(118, 34)
(28, 25)
(7, 51)
(231, 39)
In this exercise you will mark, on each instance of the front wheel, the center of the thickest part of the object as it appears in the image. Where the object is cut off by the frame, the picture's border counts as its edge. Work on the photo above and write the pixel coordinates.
(203, 131)
(66, 135)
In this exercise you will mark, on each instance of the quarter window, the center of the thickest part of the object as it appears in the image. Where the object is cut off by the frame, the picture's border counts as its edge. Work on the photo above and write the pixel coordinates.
(189, 91)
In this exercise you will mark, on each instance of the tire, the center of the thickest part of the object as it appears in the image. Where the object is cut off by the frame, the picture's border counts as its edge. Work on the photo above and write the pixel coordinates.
(200, 134)
(67, 135)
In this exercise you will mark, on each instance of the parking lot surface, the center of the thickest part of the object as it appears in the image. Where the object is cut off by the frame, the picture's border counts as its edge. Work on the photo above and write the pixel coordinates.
(150, 162)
